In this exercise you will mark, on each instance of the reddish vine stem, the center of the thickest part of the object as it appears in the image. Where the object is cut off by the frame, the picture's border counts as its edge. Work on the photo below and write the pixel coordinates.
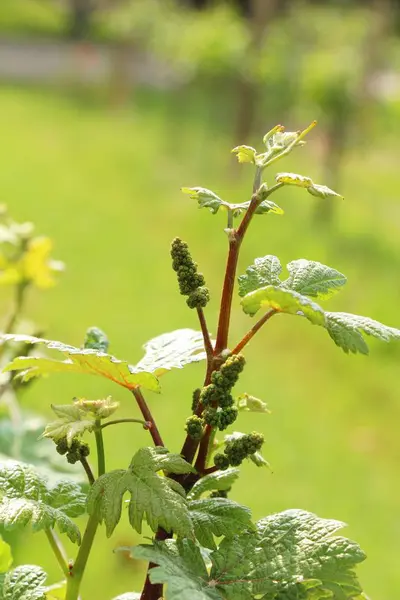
(154, 591)
(148, 417)
(245, 340)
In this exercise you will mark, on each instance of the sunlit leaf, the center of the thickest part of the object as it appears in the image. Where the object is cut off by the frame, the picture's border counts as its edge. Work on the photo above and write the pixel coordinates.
(172, 350)
(80, 361)
(281, 300)
(311, 278)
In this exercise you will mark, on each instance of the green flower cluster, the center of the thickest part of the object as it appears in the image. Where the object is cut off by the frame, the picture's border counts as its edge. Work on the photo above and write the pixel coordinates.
(191, 283)
(236, 450)
(217, 398)
(194, 427)
(75, 452)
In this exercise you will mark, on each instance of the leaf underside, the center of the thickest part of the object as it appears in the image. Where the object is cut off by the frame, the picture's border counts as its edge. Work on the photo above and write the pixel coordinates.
(163, 353)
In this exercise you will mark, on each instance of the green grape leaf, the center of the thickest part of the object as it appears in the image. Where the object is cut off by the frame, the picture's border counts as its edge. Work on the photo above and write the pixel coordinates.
(74, 419)
(207, 198)
(322, 191)
(293, 179)
(248, 403)
(232, 566)
(346, 331)
(218, 517)
(281, 300)
(295, 547)
(152, 497)
(258, 459)
(181, 567)
(245, 154)
(24, 583)
(57, 591)
(220, 481)
(172, 350)
(264, 271)
(21, 442)
(313, 279)
(5, 556)
(79, 361)
(72, 423)
(26, 497)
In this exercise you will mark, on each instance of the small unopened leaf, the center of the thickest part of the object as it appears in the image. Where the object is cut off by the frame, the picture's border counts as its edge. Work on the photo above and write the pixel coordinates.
(264, 271)
(313, 279)
(220, 481)
(207, 198)
(249, 403)
(218, 517)
(258, 459)
(346, 331)
(245, 154)
(24, 583)
(281, 300)
(322, 191)
(26, 497)
(72, 423)
(294, 179)
(152, 497)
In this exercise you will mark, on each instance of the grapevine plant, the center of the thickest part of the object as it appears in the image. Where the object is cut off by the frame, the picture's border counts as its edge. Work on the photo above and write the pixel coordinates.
(205, 545)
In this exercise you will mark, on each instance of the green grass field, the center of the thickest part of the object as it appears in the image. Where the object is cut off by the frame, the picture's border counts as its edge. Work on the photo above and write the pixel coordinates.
(105, 184)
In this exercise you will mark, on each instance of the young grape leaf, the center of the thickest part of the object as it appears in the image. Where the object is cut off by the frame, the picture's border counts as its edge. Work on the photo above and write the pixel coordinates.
(24, 583)
(181, 567)
(321, 191)
(152, 496)
(172, 350)
(313, 279)
(207, 198)
(296, 546)
(245, 154)
(25, 497)
(220, 481)
(248, 403)
(79, 361)
(258, 459)
(72, 423)
(346, 331)
(264, 271)
(281, 300)
(218, 517)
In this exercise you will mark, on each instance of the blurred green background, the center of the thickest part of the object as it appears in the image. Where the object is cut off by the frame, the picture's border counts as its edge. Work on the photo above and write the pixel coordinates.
(106, 110)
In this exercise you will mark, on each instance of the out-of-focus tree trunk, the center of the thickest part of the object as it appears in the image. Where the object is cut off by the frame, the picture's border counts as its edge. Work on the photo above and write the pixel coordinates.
(262, 12)
(348, 112)
(79, 22)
